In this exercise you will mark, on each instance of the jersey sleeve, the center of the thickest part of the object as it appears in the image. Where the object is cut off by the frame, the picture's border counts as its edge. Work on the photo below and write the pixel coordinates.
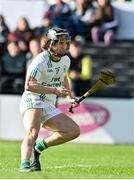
(35, 69)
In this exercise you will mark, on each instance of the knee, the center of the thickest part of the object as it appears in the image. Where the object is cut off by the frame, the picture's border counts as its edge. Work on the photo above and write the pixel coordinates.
(95, 34)
(95, 31)
(32, 134)
(108, 37)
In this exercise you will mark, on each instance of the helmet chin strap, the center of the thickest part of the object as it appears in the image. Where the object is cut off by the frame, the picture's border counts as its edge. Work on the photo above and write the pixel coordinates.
(54, 53)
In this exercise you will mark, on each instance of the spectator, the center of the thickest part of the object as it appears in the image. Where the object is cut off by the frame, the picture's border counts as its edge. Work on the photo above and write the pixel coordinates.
(13, 69)
(46, 24)
(60, 12)
(124, 0)
(34, 50)
(4, 30)
(80, 71)
(71, 3)
(105, 23)
(12, 36)
(24, 33)
(81, 19)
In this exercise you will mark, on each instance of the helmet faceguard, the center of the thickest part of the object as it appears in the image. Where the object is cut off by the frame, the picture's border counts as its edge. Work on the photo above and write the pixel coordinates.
(57, 36)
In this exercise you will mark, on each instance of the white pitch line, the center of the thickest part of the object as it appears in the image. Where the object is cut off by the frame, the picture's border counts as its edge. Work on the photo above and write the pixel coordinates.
(69, 166)
(62, 167)
(53, 167)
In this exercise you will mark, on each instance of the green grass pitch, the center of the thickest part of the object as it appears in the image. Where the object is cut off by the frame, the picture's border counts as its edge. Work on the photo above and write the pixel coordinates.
(71, 161)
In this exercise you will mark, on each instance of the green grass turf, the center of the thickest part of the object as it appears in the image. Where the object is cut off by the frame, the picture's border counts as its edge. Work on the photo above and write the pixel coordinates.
(71, 161)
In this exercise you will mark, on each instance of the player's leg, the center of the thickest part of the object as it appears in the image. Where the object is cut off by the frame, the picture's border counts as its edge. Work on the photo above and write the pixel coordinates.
(64, 128)
(109, 37)
(31, 120)
(95, 34)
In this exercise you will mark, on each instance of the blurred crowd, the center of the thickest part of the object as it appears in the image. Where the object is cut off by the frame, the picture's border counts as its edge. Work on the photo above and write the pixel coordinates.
(86, 20)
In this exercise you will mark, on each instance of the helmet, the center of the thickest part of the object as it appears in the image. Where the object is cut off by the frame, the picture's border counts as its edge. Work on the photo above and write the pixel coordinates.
(58, 34)
(55, 36)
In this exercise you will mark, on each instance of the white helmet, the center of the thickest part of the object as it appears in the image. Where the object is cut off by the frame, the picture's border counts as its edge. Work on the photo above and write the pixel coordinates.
(58, 35)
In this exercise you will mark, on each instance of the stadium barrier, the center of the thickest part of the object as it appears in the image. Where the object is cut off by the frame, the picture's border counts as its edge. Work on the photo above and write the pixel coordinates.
(101, 120)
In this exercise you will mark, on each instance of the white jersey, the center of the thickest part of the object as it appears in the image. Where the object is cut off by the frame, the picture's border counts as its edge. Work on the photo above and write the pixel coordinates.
(48, 73)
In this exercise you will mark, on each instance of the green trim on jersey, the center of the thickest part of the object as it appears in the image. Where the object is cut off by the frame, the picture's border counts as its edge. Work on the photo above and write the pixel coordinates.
(33, 73)
(42, 97)
(29, 103)
(51, 59)
(49, 63)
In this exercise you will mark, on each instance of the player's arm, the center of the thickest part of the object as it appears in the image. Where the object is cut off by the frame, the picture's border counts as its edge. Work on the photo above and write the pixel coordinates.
(67, 86)
(70, 97)
(33, 85)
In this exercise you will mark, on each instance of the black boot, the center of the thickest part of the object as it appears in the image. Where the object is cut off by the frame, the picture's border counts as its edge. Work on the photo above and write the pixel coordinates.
(35, 166)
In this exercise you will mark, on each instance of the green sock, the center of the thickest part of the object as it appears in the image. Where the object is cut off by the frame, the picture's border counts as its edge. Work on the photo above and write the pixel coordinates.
(25, 163)
(40, 145)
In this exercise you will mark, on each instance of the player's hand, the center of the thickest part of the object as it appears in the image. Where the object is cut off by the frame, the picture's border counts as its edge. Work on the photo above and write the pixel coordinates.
(73, 102)
(61, 91)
